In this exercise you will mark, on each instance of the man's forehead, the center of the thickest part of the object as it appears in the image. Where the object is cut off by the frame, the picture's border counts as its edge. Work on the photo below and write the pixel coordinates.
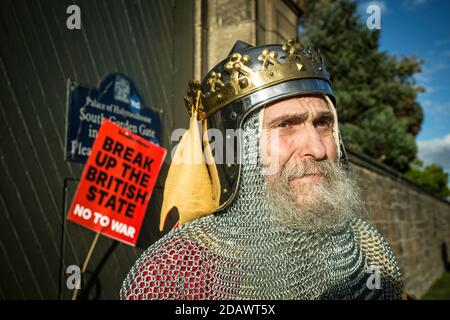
(297, 104)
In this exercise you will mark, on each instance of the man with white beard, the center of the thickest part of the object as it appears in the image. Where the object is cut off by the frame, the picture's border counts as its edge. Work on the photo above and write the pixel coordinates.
(281, 218)
(306, 186)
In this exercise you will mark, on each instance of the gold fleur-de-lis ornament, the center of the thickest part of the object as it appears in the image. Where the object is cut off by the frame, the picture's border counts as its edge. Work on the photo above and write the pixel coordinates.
(236, 66)
(268, 57)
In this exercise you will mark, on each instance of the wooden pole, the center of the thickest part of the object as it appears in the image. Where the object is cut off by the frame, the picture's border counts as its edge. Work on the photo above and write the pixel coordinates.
(86, 261)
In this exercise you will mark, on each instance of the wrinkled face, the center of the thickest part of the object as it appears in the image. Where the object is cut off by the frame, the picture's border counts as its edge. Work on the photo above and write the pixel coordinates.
(296, 130)
(306, 184)
(304, 126)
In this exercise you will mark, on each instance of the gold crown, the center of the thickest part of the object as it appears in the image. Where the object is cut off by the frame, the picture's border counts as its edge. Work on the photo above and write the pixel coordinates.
(247, 76)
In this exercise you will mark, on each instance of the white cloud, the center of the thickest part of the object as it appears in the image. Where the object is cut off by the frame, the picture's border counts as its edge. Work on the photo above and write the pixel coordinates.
(431, 89)
(429, 70)
(436, 151)
(412, 4)
(436, 109)
(442, 42)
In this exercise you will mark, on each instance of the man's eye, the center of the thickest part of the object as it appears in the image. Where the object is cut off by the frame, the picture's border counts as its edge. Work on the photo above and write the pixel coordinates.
(323, 124)
(284, 124)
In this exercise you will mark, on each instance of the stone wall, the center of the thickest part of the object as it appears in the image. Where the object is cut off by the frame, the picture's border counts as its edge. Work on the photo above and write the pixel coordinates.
(220, 23)
(415, 223)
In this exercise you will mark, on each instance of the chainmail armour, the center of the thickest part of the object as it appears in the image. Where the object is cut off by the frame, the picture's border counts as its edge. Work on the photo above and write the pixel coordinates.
(242, 253)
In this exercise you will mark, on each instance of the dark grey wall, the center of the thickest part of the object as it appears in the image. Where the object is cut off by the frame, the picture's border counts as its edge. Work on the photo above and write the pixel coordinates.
(150, 41)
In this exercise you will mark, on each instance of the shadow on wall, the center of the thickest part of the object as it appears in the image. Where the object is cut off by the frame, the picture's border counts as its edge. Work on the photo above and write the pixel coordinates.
(93, 282)
(445, 257)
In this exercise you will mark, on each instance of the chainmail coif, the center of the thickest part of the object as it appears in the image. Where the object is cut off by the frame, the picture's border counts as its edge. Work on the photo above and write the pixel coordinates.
(241, 253)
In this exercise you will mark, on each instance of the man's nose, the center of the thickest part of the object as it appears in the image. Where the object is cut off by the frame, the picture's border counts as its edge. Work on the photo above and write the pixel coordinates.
(309, 144)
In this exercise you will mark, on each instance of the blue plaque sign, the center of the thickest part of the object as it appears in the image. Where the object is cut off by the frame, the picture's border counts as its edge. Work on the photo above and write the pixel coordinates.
(116, 99)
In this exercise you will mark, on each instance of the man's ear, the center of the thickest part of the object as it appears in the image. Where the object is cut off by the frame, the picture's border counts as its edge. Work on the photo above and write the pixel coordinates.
(261, 119)
(263, 148)
(336, 133)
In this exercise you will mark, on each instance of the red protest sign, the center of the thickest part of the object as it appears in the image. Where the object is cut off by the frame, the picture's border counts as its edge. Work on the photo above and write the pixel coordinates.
(117, 183)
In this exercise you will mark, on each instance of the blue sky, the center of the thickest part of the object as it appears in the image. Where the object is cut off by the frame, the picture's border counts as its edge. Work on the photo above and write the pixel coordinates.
(422, 28)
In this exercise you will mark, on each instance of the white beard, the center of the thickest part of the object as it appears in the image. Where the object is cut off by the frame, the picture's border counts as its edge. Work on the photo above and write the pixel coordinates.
(320, 205)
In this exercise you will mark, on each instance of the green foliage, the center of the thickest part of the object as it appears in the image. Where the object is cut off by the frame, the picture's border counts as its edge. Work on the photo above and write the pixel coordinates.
(431, 177)
(383, 137)
(440, 289)
(376, 93)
